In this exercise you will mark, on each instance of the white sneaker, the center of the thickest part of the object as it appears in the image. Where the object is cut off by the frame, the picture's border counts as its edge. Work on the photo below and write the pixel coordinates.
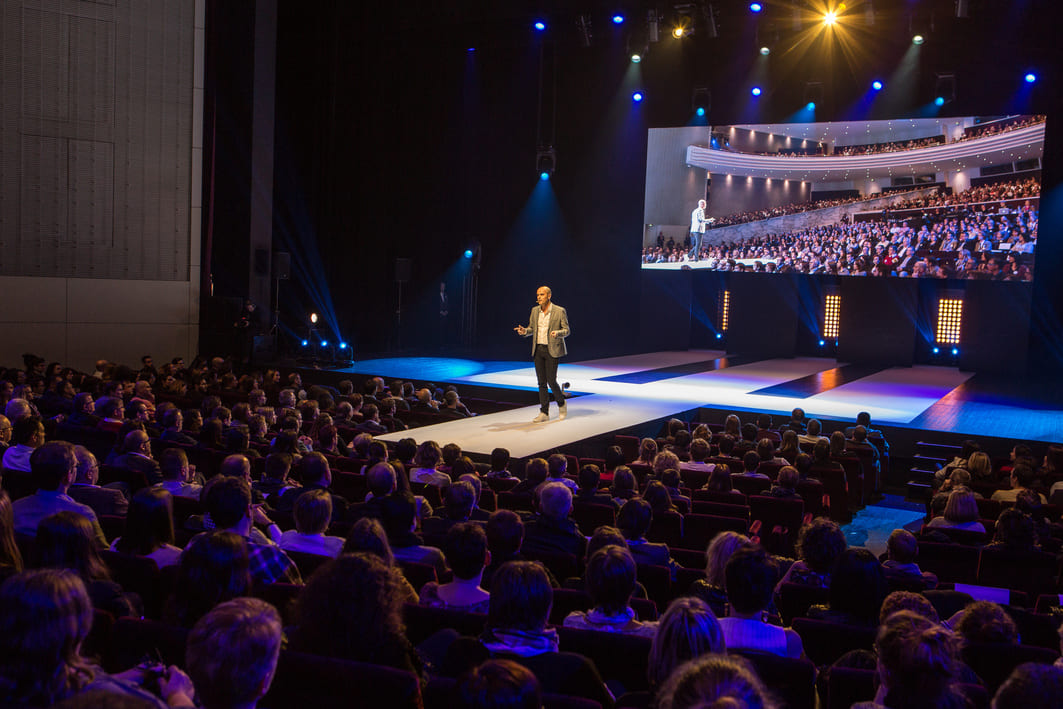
(563, 409)
(540, 418)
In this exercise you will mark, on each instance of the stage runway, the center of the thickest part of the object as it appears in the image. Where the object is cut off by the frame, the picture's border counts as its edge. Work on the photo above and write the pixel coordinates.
(620, 392)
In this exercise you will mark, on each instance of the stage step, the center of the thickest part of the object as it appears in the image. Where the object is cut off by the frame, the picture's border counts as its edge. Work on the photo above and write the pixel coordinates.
(922, 476)
(926, 461)
(939, 449)
(918, 491)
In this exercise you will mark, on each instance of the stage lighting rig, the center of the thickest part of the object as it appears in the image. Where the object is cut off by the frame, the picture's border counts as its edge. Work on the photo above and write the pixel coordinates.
(945, 86)
(583, 24)
(545, 161)
(653, 25)
(700, 100)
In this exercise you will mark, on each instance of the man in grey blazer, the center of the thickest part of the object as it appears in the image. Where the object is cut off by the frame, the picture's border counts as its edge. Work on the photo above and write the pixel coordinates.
(548, 328)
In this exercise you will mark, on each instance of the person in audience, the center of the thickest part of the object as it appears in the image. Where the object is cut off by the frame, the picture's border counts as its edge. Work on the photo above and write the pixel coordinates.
(665, 460)
(426, 463)
(465, 549)
(313, 512)
(1031, 684)
(351, 609)
(980, 467)
(656, 494)
(193, 422)
(27, 435)
(65, 541)
(368, 536)
(10, 556)
(110, 411)
(257, 428)
(700, 450)
(317, 475)
(647, 452)
(535, 473)
(136, 457)
(918, 665)
(613, 459)
(789, 448)
(819, 544)
(968, 448)
(556, 466)
(232, 653)
(477, 514)
(986, 622)
(857, 589)
(719, 479)
(1022, 478)
(1015, 531)
(624, 487)
(750, 462)
(610, 583)
(398, 515)
(228, 503)
(713, 588)
(177, 475)
(673, 482)
(149, 528)
(54, 470)
(766, 450)
(505, 537)
(210, 435)
(961, 512)
(521, 597)
(747, 440)
(459, 499)
(213, 569)
(589, 478)
(238, 442)
(499, 464)
(750, 578)
(107, 500)
(500, 684)
(813, 434)
(902, 548)
(686, 631)
(552, 530)
(785, 485)
(715, 680)
(45, 616)
(633, 521)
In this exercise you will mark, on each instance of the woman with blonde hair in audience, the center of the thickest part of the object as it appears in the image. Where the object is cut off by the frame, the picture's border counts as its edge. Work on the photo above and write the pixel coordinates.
(367, 535)
(702, 431)
(647, 452)
(980, 466)
(686, 631)
(713, 588)
(665, 460)
(961, 512)
(10, 556)
(714, 680)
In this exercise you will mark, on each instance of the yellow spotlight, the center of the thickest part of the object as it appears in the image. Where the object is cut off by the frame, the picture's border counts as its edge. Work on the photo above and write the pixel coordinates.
(313, 318)
(677, 32)
(830, 18)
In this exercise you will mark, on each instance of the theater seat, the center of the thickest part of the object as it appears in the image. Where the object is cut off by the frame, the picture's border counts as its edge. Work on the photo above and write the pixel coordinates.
(792, 680)
(304, 680)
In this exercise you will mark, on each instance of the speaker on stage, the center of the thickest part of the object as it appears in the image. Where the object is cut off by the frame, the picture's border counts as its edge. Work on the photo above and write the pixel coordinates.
(403, 269)
(282, 265)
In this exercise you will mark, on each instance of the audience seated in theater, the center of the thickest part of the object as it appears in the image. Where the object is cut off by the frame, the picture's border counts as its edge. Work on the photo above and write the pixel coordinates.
(656, 494)
(54, 469)
(672, 482)
(665, 460)
(459, 498)
(1015, 531)
(316, 475)
(65, 541)
(750, 577)
(986, 622)
(505, 536)
(1031, 684)
(766, 429)
(45, 615)
(84, 411)
(227, 500)
(859, 442)
(398, 515)
(819, 544)
(452, 407)
(371, 420)
(312, 513)
(613, 459)
(857, 589)
(713, 588)
(647, 452)
(556, 467)
(499, 464)
(5, 434)
(610, 579)
(785, 485)
(17, 408)
(425, 463)
(624, 487)
(719, 479)
(367, 535)
(789, 448)
(275, 481)
(797, 423)
(680, 444)
(107, 500)
(918, 665)
(136, 457)
(27, 435)
(500, 684)
(521, 598)
(110, 411)
(747, 440)
(232, 653)
(238, 441)
(961, 512)
(212, 569)
(173, 428)
(968, 448)
(552, 530)
(465, 549)
(699, 452)
(149, 528)
(589, 479)
(257, 428)
(812, 436)
(686, 631)
(750, 462)
(10, 556)
(193, 422)
(352, 609)
(715, 680)
(803, 465)
(902, 549)
(1022, 477)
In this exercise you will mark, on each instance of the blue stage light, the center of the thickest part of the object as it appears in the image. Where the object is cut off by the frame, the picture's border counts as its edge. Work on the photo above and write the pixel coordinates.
(700, 111)
(756, 91)
(937, 350)
(343, 345)
(1030, 77)
(471, 49)
(618, 19)
(468, 253)
(719, 335)
(540, 25)
(810, 106)
(955, 351)
(939, 101)
(324, 343)
(636, 58)
(822, 343)
(305, 343)
(636, 97)
(755, 7)
(877, 85)
(544, 176)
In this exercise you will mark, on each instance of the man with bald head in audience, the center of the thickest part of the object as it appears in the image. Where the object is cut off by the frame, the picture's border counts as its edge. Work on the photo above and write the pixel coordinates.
(136, 457)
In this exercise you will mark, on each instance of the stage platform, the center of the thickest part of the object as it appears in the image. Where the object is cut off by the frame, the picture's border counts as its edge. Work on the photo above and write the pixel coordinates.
(624, 392)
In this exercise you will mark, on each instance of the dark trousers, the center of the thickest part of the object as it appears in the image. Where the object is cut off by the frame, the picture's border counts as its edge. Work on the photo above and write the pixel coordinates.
(546, 373)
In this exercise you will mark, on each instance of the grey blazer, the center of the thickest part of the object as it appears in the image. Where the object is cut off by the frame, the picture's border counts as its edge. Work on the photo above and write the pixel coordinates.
(558, 321)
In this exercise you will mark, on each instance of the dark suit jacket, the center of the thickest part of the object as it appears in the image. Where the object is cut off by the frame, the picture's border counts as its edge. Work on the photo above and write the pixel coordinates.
(286, 502)
(177, 437)
(102, 500)
(553, 535)
(80, 419)
(148, 466)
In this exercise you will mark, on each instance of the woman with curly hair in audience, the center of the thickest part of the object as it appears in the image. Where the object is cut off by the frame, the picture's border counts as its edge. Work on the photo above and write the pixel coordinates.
(149, 528)
(857, 589)
(367, 535)
(1015, 531)
(213, 569)
(45, 616)
(918, 665)
(647, 452)
(713, 588)
(351, 609)
(819, 544)
(10, 556)
(986, 622)
(715, 680)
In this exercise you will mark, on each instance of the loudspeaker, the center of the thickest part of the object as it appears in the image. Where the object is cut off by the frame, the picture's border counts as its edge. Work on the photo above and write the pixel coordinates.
(403, 267)
(282, 265)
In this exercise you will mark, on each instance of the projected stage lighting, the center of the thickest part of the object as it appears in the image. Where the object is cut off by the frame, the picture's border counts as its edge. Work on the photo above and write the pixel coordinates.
(343, 345)
(468, 253)
(636, 58)
(305, 343)
(756, 91)
(618, 19)
(678, 32)
(918, 39)
(765, 51)
(637, 97)
(755, 7)
(811, 106)
(830, 18)
(539, 25)
(324, 343)
(877, 85)
(1030, 78)
(939, 101)
(544, 176)
(700, 112)
(313, 318)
